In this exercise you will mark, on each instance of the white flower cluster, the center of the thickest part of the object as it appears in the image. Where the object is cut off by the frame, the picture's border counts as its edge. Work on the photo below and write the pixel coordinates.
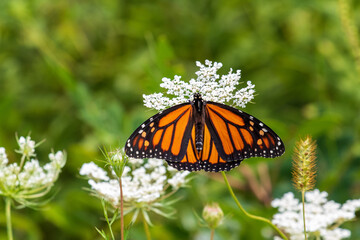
(321, 215)
(28, 177)
(208, 83)
(143, 181)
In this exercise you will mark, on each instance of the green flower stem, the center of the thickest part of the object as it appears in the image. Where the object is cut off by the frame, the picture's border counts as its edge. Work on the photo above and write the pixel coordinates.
(248, 214)
(121, 210)
(107, 218)
(22, 162)
(212, 234)
(147, 230)
(8, 218)
(303, 205)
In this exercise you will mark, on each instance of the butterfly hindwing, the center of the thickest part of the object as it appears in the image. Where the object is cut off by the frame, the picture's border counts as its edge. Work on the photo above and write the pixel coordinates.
(238, 135)
(164, 135)
(208, 159)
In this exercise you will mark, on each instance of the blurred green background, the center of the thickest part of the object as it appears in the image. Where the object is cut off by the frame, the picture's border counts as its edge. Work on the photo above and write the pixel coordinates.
(73, 72)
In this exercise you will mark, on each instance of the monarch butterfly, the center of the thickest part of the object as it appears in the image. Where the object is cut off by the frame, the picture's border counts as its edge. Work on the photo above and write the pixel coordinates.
(204, 135)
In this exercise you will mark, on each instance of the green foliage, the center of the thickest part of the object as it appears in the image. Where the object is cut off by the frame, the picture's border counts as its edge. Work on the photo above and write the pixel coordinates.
(73, 73)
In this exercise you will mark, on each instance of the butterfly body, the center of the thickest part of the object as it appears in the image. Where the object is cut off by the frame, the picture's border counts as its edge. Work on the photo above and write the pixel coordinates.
(203, 135)
(199, 119)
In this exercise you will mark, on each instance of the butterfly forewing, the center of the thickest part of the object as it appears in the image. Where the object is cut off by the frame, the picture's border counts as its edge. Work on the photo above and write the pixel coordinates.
(238, 135)
(164, 135)
(208, 159)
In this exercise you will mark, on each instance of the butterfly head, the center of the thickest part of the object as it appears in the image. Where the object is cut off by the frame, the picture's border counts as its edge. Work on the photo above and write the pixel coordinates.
(197, 96)
(198, 102)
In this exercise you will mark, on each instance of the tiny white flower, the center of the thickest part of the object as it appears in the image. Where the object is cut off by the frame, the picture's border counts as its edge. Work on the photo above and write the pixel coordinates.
(3, 157)
(58, 159)
(9, 178)
(335, 234)
(351, 205)
(178, 179)
(93, 171)
(136, 161)
(109, 190)
(316, 196)
(287, 203)
(27, 146)
(32, 175)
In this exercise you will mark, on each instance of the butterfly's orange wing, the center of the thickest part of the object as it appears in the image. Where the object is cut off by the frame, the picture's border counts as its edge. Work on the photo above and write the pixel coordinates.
(230, 135)
(165, 135)
(238, 135)
(208, 159)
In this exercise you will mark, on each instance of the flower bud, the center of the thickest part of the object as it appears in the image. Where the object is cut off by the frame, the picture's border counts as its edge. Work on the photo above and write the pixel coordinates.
(117, 160)
(213, 215)
(27, 146)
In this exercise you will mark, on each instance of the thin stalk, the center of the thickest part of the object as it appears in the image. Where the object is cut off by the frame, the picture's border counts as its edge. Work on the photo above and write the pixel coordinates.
(303, 205)
(107, 218)
(22, 162)
(21, 165)
(147, 230)
(121, 210)
(31, 193)
(212, 234)
(8, 218)
(251, 215)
